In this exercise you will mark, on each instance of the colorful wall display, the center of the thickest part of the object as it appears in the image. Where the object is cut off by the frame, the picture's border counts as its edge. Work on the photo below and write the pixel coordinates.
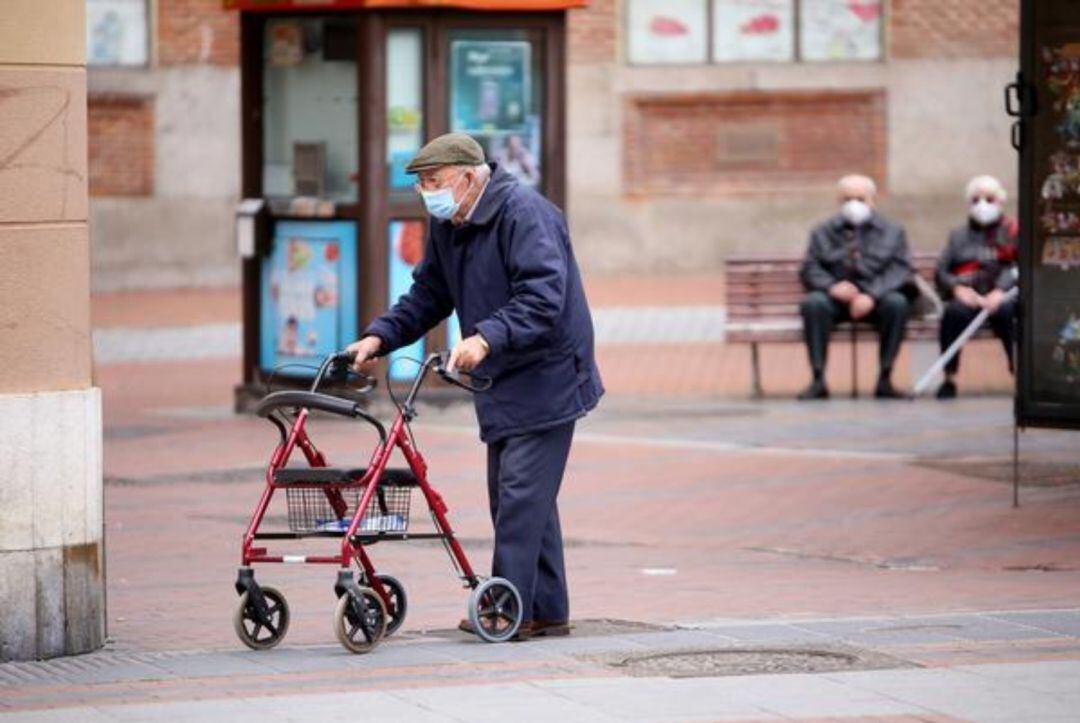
(745, 30)
(406, 250)
(309, 295)
(116, 32)
(1049, 380)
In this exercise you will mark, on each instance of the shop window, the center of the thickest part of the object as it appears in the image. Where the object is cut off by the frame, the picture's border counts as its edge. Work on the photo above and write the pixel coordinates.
(116, 33)
(496, 96)
(310, 108)
(404, 102)
(723, 31)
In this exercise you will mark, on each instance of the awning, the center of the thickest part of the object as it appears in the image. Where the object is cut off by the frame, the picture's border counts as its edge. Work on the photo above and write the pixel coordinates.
(504, 5)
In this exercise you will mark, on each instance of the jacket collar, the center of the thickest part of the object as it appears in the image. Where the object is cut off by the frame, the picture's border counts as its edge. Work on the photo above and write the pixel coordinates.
(495, 194)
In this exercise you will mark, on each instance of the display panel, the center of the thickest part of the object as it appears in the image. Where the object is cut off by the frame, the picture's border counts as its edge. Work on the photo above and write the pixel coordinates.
(309, 295)
(1048, 391)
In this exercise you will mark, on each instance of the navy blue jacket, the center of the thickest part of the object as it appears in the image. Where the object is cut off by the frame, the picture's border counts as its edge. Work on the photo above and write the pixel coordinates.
(511, 275)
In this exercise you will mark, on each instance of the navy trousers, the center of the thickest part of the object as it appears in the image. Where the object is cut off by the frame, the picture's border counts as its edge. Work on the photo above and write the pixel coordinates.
(524, 476)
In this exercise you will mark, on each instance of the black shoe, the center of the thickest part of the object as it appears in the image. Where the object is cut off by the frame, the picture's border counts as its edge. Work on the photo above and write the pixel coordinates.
(947, 390)
(885, 390)
(816, 390)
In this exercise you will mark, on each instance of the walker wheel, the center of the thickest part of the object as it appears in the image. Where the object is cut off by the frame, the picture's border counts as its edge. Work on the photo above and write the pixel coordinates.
(256, 634)
(357, 629)
(495, 610)
(399, 604)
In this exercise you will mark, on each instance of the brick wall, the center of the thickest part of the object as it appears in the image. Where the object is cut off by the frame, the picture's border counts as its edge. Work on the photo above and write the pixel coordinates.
(121, 132)
(954, 29)
(591, 33)
(197, 31)
(751, 141)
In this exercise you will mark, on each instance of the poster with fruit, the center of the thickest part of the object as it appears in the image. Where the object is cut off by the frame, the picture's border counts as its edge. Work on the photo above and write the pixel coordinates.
(745, 30)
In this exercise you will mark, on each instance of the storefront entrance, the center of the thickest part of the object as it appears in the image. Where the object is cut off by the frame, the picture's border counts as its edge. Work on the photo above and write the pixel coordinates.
(334, 106)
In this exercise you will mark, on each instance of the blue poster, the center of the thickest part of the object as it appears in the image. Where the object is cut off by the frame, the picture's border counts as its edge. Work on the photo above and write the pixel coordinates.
(309, 295)
(406, 250)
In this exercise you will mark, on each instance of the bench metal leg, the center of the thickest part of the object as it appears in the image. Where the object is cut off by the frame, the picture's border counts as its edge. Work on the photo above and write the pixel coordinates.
(854, 364)
(755, 371)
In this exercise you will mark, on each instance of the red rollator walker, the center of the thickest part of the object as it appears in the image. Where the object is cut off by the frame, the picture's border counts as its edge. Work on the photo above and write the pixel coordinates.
(360, 507)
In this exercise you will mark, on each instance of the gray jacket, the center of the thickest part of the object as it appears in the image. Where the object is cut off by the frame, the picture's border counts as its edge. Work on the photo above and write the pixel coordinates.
(982, 258)
(875, 257)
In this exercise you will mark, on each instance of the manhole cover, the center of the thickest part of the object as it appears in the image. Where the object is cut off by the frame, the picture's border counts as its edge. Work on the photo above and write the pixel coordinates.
(750, 661)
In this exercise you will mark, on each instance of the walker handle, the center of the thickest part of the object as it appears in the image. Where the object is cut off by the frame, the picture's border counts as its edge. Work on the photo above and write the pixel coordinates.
(482, 383)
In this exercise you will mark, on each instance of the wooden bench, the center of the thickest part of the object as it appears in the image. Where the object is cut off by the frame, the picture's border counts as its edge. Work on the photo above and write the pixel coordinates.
(763, 296)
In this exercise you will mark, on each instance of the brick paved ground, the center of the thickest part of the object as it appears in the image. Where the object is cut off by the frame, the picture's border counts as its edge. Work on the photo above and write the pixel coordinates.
(741, 521)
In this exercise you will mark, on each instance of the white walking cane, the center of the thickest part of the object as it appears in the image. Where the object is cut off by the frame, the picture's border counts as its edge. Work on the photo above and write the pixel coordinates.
(954, 348)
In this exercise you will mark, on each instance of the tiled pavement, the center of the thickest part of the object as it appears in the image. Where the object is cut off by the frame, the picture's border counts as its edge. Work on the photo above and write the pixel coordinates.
(448, 676)
(869, 526)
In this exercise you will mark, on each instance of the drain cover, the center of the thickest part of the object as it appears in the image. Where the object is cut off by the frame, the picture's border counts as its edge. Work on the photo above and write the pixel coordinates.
(750, 661)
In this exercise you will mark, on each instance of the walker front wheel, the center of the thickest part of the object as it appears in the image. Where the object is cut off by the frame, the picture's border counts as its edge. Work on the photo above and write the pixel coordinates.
(399, 604)
(495, 610)
(262, 632)
(359, 626)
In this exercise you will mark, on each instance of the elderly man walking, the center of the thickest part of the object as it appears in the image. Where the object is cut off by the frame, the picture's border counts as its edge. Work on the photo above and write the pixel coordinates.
(857, 268)
(499, 254)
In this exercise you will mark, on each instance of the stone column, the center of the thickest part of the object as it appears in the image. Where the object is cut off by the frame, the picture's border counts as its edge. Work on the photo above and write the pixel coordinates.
(51, 557)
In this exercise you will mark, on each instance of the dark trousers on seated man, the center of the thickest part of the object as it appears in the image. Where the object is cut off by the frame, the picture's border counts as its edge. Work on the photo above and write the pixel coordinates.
(821, 312)
(524, 476)
(958, 316)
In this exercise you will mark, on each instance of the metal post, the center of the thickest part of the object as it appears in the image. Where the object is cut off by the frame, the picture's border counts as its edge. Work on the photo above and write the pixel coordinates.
(755, 371)
(1016, 465)
(854, 363)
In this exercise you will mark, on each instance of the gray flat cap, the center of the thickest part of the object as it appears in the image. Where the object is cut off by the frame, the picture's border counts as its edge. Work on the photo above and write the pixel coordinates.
(452, 149)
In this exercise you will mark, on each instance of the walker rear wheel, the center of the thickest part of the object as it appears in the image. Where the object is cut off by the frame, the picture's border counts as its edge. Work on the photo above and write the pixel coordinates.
(262, 634)
(495, 610)
(359, 626)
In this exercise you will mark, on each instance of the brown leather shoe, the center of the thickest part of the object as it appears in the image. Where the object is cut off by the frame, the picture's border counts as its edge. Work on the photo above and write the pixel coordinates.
(542, 628)
(466, 626)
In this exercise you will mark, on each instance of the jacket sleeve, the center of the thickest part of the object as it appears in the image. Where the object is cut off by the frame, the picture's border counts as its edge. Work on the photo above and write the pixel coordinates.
(946, 280)
(897, 272)
(814, 275)
(536, 260)
(425, 304)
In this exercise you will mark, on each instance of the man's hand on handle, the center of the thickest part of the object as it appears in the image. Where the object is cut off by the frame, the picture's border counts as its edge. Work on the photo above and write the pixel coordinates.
(468, 354)
(365, 350)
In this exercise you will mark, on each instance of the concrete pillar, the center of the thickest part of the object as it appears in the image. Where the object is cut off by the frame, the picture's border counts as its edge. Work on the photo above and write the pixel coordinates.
(51, 557)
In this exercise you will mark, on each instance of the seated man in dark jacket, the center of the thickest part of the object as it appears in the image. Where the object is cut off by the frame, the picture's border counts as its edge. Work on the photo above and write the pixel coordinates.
(499, 254)
(976, 269)
(857, 268)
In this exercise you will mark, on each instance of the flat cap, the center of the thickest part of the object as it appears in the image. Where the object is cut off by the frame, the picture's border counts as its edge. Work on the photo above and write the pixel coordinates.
(451, 149)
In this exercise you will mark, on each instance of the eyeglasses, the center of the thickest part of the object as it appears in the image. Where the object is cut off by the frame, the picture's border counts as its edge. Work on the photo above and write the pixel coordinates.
(433, 182)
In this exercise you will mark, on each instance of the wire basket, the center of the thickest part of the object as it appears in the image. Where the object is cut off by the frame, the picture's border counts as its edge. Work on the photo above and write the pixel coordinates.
(310, 509)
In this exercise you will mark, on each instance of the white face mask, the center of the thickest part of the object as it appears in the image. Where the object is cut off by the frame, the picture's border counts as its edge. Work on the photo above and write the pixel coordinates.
(984, 212)
(855, 212)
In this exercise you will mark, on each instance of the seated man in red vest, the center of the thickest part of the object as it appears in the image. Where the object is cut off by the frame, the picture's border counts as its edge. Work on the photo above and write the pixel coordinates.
(976, 269)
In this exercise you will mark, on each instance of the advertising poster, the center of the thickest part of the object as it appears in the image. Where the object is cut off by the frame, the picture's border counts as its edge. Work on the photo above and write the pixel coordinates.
(840, 29)
(116, 32)
(1049, 379)
(406, 250)
(309, 295)
(491, 85)
(753, 30)
(667, 31)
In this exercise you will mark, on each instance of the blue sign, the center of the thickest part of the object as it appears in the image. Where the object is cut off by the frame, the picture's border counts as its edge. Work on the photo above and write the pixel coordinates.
(309, 295)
